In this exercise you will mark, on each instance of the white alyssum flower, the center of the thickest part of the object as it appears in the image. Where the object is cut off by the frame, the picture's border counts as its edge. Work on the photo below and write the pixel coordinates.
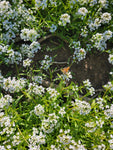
(29, 34)
(37, 138)
(110, 58)
(16, 139)
(39, 110)
(103, 3)
(41, 3)
(48, 125)
(6, 125)
(2, 147)
(107, 35)
(34, 46)
(64, 19)
(46, 63)
(100, 102)
(13, 85)
(91, 91)
(62, 111)
(27, 62)
(99, 41)
(106, 17)
(79, 54)
(33, 88)
(6, 100)
(87, 83)
(84, 32)
(82, 106)
(109, 112)
(82, 11)
(38, 79)
(53, 28)
(92, 2)
(66, 76)
(52, 92)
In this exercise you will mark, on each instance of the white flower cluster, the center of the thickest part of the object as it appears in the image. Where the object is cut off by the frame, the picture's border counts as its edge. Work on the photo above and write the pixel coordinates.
(53, 28)
(109, 86)
(98, 21)
(37, 79)
(30, 50)
(82, 11)
(83, 107)
(1, 78)
(27, 62)
(48, 125)
(41, 3)
(79, 52)
(46, 63)
(111, 141)
(16, 139)
(33, 88)
(100, 102)
(99, 122)
(62, 111)
(84, 32)
(100, 39)
(5, 101)
(64, 19)
(109, 112)
(105, 17)
(103, 3)
(110, 58)
(37, 139)
(11, 56)
(12, 18)
(87, 84)
(5, 123)
(94, 25)
(29, 34)
(39, 110)
(63, 137)
(66, 141)
(13, 85)
(66, 76)
(52, 92)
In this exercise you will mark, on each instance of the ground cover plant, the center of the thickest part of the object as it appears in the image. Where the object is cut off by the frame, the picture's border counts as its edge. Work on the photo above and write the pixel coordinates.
(41, 105)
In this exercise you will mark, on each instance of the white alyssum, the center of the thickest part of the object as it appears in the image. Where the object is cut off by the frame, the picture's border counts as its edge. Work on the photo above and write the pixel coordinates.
(48, 125)
(13, 85)
(52, 92)
(62, 111)
(110, 58)
(64, 19)
(82, 11)
(29, 34)
(6, 100)
(107, 35)
(33, 88)
(106, 17)
(16, 139)
(27, 62)
(109, 112)
(46, 63)
(39, 110)
(83, 107)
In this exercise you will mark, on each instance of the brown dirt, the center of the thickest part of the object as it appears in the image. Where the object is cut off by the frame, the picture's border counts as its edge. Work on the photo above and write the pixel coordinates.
(94, 67)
